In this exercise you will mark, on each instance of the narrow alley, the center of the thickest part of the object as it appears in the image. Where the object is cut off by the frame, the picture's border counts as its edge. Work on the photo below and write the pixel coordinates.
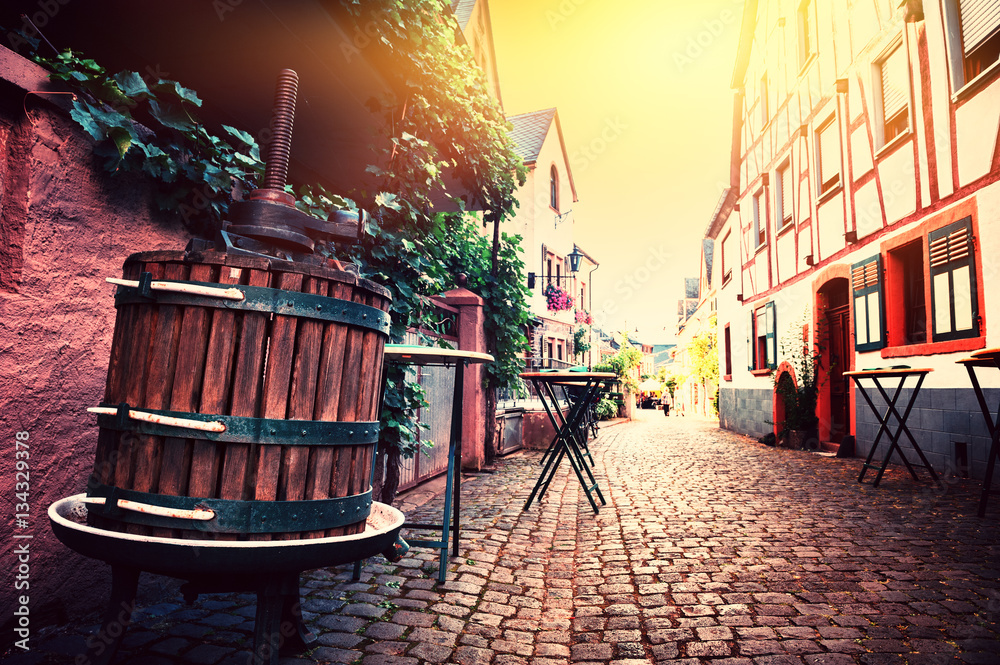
(712, 547)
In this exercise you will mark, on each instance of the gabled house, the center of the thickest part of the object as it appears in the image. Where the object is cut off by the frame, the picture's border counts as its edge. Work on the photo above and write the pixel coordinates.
(544, 220)
(473, 18)
(695, 395)
(865, 169)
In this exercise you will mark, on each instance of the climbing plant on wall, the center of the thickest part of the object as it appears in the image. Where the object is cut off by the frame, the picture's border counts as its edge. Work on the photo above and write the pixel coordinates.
(442, 127)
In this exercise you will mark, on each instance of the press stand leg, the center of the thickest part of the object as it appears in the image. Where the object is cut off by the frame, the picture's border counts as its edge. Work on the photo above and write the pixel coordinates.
(279, 620)
(124, 583)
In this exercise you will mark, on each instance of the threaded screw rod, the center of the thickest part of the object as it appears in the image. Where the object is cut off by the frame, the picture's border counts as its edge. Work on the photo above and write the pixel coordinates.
(282, 120)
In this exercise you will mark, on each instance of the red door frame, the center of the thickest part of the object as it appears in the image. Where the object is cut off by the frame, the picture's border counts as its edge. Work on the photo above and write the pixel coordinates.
(823, 405)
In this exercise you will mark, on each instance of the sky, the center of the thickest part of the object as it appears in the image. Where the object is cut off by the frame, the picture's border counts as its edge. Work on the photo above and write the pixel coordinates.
(644, 99)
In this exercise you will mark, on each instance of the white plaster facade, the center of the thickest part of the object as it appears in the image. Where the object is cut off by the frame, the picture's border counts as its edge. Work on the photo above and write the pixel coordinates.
(864, 130)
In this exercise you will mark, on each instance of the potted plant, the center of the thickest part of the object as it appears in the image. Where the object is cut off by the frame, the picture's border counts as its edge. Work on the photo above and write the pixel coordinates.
(799, 394)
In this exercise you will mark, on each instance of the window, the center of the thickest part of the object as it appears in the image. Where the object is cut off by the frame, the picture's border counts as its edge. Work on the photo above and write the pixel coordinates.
(869, 320)
(728, 348)
(894, 88)
(828, 155)
(905, 301)
(805, 22)
(548, 270)
(973, 37)
(554, 188)
(783, 197)
(559, 273)
(559, 350)
(954, 298)
(762, 350)
(727, 257)
(765, 113)
(759, 219)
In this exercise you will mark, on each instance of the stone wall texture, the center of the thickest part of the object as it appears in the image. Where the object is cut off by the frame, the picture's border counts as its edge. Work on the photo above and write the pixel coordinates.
(66, 225)
(944, 421)
(747, 411)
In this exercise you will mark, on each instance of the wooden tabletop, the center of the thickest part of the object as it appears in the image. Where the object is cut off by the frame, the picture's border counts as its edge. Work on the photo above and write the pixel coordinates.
(888, 371)
(568, 377)
(432, 355)
(988, 358)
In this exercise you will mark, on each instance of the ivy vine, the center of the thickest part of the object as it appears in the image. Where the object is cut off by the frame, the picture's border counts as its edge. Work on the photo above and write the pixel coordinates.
(443, 127)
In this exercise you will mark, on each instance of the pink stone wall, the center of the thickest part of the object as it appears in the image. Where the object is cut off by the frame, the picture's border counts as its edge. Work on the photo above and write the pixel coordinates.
(66, 225)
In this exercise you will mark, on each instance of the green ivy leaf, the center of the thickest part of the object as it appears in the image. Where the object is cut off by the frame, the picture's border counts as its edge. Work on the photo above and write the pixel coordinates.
(171, 116)
(122, 140)
(132, 85)
(83, 117)
(240, 135)
(177, 90)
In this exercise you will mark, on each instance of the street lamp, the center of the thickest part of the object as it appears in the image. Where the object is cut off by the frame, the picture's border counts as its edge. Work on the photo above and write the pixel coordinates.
(574, 259)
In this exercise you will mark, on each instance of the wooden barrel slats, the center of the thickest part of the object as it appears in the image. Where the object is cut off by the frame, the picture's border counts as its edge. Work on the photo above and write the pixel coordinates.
(176, 357)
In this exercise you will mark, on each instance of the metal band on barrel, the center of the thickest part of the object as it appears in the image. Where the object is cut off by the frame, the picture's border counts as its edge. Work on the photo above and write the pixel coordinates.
(233, 516)
(262, 299)
(266, 431)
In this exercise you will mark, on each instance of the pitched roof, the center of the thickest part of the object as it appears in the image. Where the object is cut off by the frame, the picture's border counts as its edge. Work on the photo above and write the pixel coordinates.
(747, 28)
(463, 11)
(691, 287)
(708, 250)
(529, 133)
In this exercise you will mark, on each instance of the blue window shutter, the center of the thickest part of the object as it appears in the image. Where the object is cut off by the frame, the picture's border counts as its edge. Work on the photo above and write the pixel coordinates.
(954, 292)
(868, 303)
(772, 340)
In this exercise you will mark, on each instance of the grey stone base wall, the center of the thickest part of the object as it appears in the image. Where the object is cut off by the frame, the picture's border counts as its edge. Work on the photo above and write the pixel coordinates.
(946, 423)
(747, 411)
(943, 421)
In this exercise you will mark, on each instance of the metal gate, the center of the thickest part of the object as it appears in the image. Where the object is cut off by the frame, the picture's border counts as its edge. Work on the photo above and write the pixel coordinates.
(439, 387)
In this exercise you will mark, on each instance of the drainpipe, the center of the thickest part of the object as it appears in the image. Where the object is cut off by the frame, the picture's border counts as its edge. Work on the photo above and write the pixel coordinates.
(590, 309)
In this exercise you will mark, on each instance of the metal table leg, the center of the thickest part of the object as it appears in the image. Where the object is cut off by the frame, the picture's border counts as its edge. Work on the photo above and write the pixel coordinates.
(566, 444)
(901, 428)
(993, 428)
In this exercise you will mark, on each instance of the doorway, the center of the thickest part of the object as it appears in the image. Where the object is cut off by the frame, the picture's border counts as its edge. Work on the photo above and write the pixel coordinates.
(833, 306)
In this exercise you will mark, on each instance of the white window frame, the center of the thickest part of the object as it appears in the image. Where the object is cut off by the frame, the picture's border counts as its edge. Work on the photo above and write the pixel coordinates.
(897, 47)
(955, 47)
(833, 124)
(805, 31)
(758, 201)
(784, 218)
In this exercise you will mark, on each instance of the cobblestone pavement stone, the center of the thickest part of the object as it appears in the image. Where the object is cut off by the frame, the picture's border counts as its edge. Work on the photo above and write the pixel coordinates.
(712, 548)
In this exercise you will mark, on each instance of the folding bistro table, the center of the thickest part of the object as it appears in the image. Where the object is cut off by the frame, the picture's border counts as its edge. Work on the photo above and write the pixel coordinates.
(425, 356)
(986, 358)
(566, 443)
(876, 376)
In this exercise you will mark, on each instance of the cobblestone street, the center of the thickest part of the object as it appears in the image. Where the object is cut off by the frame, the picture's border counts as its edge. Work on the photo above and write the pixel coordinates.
(712, 547)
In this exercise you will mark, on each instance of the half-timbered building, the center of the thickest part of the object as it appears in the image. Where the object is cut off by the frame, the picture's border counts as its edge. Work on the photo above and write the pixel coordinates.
(864, 211)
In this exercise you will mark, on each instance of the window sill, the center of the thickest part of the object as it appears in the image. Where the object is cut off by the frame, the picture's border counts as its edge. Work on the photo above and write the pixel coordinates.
(976, 84)
(727, 278)
(760, 372)
(830, 193)
(891, 146)
(805, 65)
(727, 377)
(789, 225)
(759, 248)
(932, 348)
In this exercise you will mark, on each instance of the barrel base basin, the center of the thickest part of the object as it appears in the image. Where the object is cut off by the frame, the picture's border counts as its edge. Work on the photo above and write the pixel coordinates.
(200, 559)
